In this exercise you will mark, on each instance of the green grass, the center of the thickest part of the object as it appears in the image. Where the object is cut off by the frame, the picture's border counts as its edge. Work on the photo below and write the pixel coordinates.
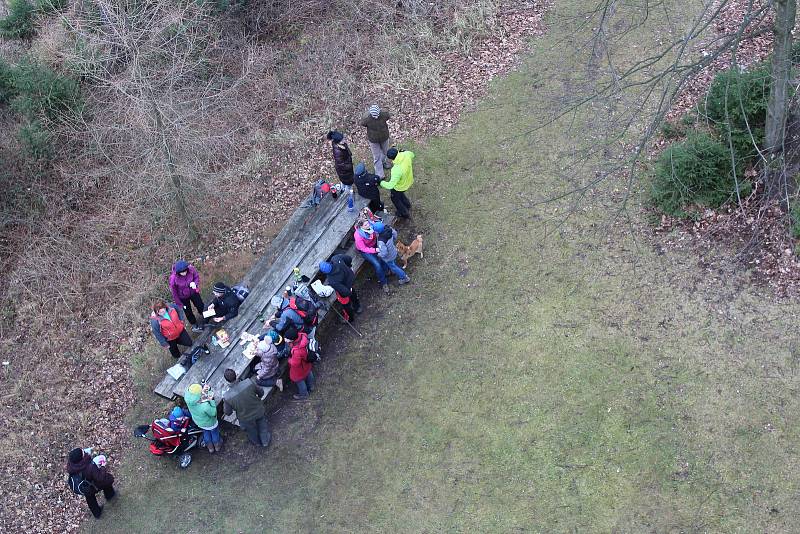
(541, 374)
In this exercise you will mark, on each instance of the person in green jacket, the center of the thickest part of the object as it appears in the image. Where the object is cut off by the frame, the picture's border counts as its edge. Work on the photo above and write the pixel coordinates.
(203, 408)
(401, 180)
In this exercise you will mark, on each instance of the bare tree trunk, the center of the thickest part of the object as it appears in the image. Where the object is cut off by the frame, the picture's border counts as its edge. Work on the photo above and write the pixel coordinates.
(785, 12)
(172, 168)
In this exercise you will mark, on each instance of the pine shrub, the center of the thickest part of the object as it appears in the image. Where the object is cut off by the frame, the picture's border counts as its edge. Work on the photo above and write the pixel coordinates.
(18, 24)
(736, 105)
(697, 171)
(43, 93)
(50, 6)
(7, 89)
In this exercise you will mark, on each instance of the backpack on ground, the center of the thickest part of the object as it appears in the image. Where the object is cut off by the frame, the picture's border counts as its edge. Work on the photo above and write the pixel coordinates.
(304, 308)
(241, 292)
(80, 486)
(314, 351)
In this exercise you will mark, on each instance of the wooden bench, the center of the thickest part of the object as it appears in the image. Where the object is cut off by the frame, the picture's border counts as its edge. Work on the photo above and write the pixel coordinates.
(310, 235)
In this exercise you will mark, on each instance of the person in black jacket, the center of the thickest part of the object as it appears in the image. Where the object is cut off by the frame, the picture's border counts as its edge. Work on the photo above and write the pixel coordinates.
(225, 303)
(99, 479)
(342, 158)
(340, 276)
(367, 186)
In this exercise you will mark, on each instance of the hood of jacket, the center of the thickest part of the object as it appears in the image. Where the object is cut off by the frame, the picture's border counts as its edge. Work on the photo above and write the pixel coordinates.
(75, 468)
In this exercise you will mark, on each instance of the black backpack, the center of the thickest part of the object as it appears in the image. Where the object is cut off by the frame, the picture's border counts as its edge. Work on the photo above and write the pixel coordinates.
(314, 351)
(80, 486)
(304, 308)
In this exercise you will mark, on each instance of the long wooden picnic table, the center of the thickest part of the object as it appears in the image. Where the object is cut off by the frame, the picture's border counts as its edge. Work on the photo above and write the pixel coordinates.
(311, 234)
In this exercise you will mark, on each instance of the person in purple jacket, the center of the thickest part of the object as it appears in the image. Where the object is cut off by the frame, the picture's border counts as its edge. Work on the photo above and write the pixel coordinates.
(184, 282)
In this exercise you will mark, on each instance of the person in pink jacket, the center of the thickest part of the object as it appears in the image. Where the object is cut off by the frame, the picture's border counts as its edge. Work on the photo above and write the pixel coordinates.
(184, 283)
(367, 245)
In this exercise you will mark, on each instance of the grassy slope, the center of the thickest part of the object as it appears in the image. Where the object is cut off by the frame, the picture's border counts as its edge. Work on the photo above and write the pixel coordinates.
(522, 383)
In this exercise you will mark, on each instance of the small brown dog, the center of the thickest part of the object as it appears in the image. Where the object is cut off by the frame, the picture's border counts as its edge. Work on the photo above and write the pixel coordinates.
(406, 251)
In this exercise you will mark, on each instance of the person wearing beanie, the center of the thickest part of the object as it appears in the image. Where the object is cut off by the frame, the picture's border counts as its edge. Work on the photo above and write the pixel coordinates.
(342, 158)
(367, 187)
(284, 315)
(96, 478)
(244, 398)
(184, 283)
(401, 180)
(166, 323)
(268, 368)
(387, 251)
(204, 415)
(300, 369)
(177, 417)
(339, 275)
(226, 303)
(367, 244)
(375, 121)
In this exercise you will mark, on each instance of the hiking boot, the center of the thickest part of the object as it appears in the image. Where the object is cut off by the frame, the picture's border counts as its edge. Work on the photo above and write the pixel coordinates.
(218, 447)
(385, 288)
(196, 328)
(404, 281)
(359, 309)
(210, 447)
(299, 397)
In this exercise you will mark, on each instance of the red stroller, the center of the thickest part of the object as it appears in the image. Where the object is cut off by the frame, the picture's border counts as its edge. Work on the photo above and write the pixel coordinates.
(166, 441)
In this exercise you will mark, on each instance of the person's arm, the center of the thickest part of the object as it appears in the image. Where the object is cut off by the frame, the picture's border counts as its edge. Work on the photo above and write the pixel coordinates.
(381, 249)
(385, 115)
(173, 288)
(99, 476)
(156, 328)
(365, 119)
(227, 408)
(395, 177)
(195, 278)
(259, 391)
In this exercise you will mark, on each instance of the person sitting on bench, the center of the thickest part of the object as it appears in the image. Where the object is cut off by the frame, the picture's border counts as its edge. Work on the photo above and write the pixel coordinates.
(285, 316)
(339, 275)
(226, 303)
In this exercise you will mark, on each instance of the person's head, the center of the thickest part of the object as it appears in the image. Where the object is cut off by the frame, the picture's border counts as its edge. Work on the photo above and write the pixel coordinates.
(230, 375)
(360, 169)
(177, 412)
(290, 334)
(196, 389)
(182, 267)
(391, 153)
(219, 289)
(325, 267)
(276, 301)
(75, 455)
(366, 227)
(275, 337)
(374, 111)
(159, 307)
(378, 226)
(335, 136)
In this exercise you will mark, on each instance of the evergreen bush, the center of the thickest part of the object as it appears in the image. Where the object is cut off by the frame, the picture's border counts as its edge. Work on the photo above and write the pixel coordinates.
(18, 24)
(7, 89)
(736, 105)
(43, 93)
(50, 6)
(696, 171)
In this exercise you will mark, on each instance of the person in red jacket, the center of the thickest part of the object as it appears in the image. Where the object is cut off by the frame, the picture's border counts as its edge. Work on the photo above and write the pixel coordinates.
(300, 369)
(166, 322)
(80, 463)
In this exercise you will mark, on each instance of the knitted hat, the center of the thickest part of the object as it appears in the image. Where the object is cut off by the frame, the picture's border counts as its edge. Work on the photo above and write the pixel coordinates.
(276, 301)
(275, 337)
(75, 455)
(195, 389)
(374, 111)
(290, 334)
(378, 227)
(181, 265)
(177, 412)
(391, 153)
(325, 267)
(335, 136)
(325, 187)
(360, 168)
(220, 288)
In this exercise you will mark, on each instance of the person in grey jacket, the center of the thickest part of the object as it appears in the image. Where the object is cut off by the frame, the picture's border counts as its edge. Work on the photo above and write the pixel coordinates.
(374, 120)
(387, 251)
(244, 397)
(285, 315)
(267, 368)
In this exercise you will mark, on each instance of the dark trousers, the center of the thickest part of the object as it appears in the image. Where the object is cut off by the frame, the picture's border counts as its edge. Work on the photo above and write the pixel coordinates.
(91, 500)
(401, 202)
(349, 308)
(184, 339)
(197, 300)
(257, 431)
(375, 205)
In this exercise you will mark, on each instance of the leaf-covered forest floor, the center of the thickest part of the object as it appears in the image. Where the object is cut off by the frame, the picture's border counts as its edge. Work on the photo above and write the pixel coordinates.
(548, 369)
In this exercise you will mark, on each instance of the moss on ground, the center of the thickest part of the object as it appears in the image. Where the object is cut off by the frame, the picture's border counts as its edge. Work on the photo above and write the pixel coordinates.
(543, 373)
